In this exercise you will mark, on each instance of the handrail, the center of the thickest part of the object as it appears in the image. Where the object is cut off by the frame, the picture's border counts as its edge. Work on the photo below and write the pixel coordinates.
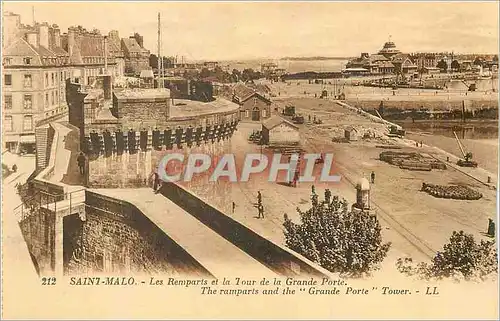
(34, 195)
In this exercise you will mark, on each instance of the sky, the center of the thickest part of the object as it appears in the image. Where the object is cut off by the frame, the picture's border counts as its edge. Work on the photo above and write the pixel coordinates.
(247, 30)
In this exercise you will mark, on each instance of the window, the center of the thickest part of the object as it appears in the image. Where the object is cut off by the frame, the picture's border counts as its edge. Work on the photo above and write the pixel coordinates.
(46, 80)
(62, 78)
(7, 80)
(53, 79)
(7, 61)
(53, 101)
(27, 102)
(8, 125)
(27, 61)
(27, 80)
(254, 101)
(264, 113)
(247, 113)
(47, 99)
(57, 97)
(7, 101)
(28, 122)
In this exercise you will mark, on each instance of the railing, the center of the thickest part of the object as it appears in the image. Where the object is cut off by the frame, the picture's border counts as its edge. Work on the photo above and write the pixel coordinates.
(49, 201)
(33, 204)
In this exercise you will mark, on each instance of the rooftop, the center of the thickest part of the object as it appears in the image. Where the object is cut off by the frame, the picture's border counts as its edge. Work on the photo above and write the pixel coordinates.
(143, 93)
(185, 109)
(276, 121)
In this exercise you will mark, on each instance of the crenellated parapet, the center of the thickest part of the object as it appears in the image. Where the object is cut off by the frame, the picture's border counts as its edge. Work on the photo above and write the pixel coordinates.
(119, 142)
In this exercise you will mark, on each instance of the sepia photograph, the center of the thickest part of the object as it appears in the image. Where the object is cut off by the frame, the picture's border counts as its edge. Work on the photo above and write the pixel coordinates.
(250, 160)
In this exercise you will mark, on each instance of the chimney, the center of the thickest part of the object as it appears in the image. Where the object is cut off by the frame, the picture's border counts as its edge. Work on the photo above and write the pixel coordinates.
(44, 35)
(71, 41)
(57, 37)
(32, 38)
(105, 55)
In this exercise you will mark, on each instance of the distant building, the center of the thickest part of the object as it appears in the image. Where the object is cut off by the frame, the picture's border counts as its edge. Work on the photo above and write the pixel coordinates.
(389, 60)
(136, 57)
(389, 50)
(253, 105)
(351, 134)
(279, 131)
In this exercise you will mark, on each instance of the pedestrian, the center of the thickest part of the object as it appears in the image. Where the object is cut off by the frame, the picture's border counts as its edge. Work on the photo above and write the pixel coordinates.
(234, 206)
(81, 163)
(261, 211)
(14, 168)
(259, 197)
(416, 144)
(421, 144)
(156, 182)
(373, 177)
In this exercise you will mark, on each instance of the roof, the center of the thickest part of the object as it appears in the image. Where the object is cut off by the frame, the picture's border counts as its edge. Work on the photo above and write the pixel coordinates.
(385, 64)
(132, 46)
(242, 93)
(184, 109)
(276, 121)
(377, 57)
(143, 93)
(355, 69)
(351, 129)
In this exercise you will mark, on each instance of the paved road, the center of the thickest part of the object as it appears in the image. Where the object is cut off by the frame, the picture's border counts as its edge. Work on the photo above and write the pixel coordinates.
(217, 255)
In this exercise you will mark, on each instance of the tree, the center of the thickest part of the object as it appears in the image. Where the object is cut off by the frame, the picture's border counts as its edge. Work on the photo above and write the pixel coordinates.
(153, 61)
(455, 65)
(205, 73)
(442, 65)
(340, 240)
(461, 258)
(478, 61)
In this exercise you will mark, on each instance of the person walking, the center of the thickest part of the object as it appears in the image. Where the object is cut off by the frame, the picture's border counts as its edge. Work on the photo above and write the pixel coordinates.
(373, 177)
(234, 206)
(156, 182)
(81, 163)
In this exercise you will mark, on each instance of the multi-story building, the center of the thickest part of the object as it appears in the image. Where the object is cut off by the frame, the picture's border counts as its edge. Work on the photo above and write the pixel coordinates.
(37, 60)
(87, 54)
(34, 71)
(136, 56)
(389, 60)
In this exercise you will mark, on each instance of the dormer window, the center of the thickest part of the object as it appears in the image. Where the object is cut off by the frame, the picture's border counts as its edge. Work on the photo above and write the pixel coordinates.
(7, 61)
(255, 101)
(27, 61)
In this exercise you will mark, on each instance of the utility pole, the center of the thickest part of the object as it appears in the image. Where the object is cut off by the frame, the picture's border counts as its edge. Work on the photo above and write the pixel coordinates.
(159, 51)
(33, 14)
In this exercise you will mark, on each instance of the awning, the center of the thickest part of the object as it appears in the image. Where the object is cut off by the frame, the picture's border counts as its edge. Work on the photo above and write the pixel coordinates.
(27, 139)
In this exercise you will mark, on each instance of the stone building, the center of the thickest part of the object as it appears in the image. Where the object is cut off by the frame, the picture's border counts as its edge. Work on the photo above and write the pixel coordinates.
(136, 57)
(34, 69)
(253, 105)
(89, 55)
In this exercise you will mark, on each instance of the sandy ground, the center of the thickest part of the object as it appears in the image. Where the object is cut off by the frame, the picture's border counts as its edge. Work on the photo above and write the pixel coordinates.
(301, 88)
(484, 151)
(416, 223)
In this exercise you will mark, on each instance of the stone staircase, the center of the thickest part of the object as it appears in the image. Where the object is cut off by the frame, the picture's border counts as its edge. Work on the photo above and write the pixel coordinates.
(43, 144)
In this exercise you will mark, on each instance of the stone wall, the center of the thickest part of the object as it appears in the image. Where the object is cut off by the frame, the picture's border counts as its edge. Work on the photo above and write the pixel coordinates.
(38, 230)
(276, 258)
(142, 112)
(117, 238)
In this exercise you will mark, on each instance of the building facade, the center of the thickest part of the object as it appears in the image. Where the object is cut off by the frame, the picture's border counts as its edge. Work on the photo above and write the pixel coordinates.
(253, 105)
(136, 57)
(37, 59)
(34, 69)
